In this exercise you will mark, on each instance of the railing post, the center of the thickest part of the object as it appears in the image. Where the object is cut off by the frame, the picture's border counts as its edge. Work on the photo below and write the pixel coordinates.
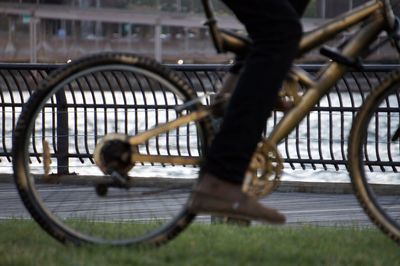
(62, 133)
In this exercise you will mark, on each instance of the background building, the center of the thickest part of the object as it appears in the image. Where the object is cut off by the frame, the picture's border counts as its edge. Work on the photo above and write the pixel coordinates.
(168, 30)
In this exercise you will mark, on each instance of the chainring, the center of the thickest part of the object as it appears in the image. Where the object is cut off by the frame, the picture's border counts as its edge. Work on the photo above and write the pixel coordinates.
(265, 170)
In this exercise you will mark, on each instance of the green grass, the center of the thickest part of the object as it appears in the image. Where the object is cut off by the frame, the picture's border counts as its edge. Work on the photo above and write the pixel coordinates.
(24, 243)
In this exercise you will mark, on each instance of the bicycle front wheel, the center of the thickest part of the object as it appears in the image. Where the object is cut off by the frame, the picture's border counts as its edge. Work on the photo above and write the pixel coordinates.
(374, 156)
(56, 135)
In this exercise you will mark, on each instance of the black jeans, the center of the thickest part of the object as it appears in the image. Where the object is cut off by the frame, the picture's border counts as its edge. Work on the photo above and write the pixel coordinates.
(274, 26)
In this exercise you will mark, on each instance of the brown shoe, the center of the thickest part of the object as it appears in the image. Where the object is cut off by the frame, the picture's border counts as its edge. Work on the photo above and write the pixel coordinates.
(215, 196)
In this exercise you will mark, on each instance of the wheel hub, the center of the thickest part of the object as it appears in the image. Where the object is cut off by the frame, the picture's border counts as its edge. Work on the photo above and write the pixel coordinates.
(113, 153)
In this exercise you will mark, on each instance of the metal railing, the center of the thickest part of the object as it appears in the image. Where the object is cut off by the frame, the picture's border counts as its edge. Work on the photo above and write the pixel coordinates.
(319, 142)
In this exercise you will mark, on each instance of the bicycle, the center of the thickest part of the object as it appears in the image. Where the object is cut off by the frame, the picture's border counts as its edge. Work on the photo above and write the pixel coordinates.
(96, 206)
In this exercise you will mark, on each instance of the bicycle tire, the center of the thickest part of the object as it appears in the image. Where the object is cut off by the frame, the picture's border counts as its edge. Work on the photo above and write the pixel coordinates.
(374, 158)
(66, 203)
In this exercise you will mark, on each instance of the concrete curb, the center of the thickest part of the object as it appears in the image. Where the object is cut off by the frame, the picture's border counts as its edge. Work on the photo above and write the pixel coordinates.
(297, 186)
(334, 188)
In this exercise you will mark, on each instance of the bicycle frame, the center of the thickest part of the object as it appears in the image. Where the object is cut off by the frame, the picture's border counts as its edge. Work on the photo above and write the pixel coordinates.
(328, 76)
(374, 18)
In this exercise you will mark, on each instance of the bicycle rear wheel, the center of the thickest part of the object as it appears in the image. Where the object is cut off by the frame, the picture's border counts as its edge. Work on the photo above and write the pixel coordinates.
(374, 156)
(56, 135)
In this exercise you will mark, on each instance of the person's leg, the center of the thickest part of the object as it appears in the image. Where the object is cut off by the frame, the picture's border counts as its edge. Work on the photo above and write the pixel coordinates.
(299, 5)
(275, 30)
(274, 27)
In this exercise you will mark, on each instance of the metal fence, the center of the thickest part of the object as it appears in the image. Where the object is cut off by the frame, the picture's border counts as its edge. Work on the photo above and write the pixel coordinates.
(319, 142)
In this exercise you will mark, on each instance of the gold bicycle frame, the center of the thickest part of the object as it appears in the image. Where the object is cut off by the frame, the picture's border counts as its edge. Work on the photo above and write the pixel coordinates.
(374, 17)
(334, 70)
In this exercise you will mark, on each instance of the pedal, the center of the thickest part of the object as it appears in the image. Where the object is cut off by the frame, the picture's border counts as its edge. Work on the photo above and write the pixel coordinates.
(335, 55)
(119, 179)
